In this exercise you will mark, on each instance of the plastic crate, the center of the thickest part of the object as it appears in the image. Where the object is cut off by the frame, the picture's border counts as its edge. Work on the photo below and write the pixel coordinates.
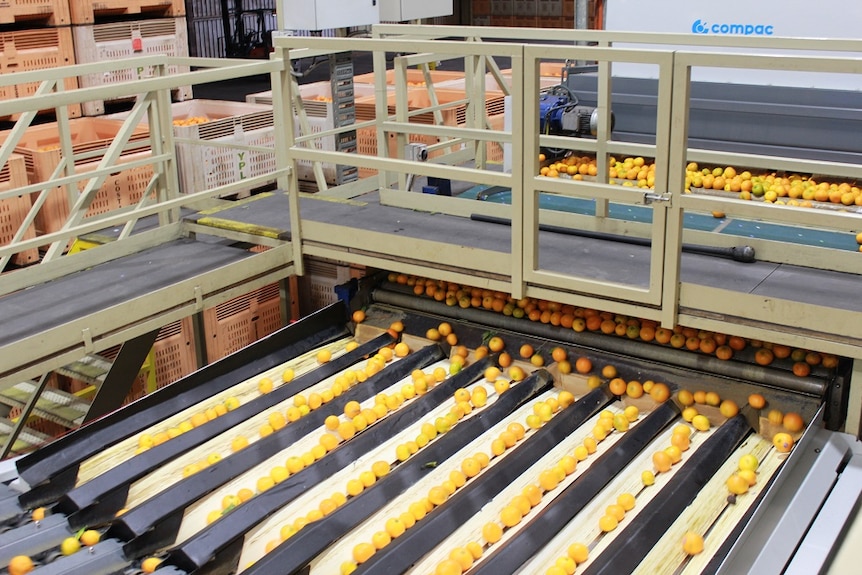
(415, 77)
(40, 148)
(236, 323)
(123, 40)
(174, 352)
(322, 115)
(85, 11)
(37, 49)
(203, 167)
(13, 211)
(51, 12)
(418, 98)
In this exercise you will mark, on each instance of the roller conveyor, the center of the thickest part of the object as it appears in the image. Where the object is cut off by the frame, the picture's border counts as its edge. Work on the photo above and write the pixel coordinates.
(162, 522)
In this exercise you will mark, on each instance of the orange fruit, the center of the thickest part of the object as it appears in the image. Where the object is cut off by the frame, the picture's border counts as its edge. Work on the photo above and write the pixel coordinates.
(150, 564)
(617, 511)
(608, 523)
(783, 442)
(463, 557)
(701, 422)
(20, 564)
(756, 401)
(381, 539)
(692, 543)
(526, 351)
(728, 408)
(609, 372)
(660, 392)
(448, 567)
(662, 461)
(763, 356)
(559, 354)
(579, 552)
(685, 397)
(492, 532)
(510, 516)
(801, 369)
(775, 417)
(713, 399)
(358, 316)
(362, 552)
(90, 537)
(793, 422)
(736, 484)
(471, 467)
(618, 386)
(583, 365)
(634, 389)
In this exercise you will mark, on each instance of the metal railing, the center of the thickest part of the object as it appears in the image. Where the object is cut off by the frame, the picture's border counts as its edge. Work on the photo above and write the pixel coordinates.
(81, 171)
(661, 295)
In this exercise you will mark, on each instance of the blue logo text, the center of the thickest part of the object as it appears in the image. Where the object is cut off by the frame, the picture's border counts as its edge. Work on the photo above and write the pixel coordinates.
(701, 27)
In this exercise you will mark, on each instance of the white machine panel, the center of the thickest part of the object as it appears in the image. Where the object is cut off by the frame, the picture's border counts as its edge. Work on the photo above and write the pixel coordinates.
(404, 10)
(322, 14)
(751, 18)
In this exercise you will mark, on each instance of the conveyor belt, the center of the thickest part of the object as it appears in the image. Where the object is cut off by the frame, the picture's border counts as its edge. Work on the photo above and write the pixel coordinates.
(59, 314)
(168, 517)
(597, 259)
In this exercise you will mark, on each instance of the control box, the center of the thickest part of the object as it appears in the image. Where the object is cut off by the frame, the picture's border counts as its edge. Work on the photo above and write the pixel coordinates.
(405, 10)
(324, 14)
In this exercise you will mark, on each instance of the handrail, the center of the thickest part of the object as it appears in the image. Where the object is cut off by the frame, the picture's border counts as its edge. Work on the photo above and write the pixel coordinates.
(158, 186)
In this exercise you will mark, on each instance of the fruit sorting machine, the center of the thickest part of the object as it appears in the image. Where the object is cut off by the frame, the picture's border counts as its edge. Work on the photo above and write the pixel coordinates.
(335, 447)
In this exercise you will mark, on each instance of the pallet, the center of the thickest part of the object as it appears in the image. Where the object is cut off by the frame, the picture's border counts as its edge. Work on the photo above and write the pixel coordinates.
(123, 40)
(50, 12)
(86, 11)
(37, 49)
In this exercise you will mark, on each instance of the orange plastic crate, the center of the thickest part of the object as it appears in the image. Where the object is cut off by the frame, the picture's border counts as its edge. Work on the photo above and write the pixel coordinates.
(241, 321)
(418, 98)
(174, 352)
(51, 12)
(37, 49)
(415, 77)
(14, 210)
(85, 11)
(40, 148)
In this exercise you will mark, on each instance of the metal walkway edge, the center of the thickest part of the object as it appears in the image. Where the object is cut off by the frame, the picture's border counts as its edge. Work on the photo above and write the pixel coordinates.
(49, 325)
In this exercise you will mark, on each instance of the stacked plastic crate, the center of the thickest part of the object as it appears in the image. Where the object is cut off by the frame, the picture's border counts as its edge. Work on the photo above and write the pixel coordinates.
(34, 35)
(111, 30)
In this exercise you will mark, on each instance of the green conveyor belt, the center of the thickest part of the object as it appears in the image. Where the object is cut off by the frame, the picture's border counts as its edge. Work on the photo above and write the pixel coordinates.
(692, 221)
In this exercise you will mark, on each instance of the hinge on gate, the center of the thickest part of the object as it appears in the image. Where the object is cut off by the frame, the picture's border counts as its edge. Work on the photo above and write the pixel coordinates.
(650, 197)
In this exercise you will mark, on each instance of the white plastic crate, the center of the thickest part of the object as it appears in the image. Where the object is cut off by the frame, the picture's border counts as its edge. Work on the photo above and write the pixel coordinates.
(123, 40)
(202, 167)
(319, 108)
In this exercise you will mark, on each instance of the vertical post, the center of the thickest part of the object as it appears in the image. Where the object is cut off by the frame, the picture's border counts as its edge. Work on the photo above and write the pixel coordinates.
(525, 150)
(284, 89)
(679, 111)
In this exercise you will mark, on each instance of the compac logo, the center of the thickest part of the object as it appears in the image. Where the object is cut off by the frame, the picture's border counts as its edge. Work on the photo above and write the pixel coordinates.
(701, 27)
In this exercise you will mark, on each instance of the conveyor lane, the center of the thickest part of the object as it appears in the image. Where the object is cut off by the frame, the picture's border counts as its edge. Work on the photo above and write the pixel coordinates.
(52, 470)
(597, 259)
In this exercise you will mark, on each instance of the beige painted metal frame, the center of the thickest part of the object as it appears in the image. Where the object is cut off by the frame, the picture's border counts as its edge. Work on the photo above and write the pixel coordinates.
(666, 299)
(68, 342)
